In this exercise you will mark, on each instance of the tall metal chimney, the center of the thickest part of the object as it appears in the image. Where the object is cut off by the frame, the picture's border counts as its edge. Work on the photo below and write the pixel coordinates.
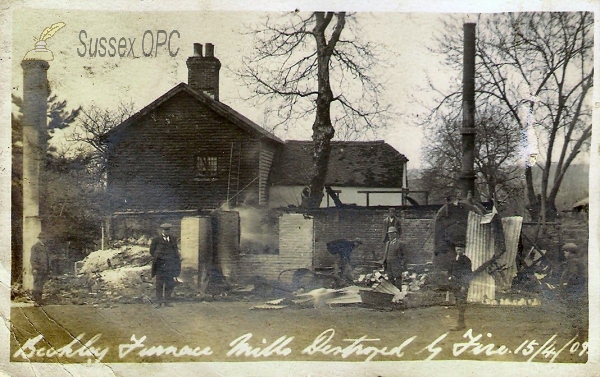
(35, 107)
(468, 130)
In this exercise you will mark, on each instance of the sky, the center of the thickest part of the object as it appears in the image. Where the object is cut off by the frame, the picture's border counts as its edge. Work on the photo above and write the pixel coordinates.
(105, 81)
(407, 62)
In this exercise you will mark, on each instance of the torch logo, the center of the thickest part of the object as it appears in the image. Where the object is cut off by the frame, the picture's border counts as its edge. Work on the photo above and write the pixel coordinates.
(40, 52)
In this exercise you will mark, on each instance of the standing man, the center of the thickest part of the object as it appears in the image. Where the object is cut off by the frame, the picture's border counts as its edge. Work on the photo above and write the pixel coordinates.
(573, 290)
(344, 248)
(166, 264)
(391, 220)
(393, 257)
(40, 263)
(460, 278)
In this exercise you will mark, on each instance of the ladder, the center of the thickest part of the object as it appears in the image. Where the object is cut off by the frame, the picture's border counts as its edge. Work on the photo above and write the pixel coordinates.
(233, 176)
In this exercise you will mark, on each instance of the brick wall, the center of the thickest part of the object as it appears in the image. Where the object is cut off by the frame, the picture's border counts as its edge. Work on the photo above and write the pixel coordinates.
(300, 232)
(296, 235)
(295, 250)
(348, 224)
(368, 225)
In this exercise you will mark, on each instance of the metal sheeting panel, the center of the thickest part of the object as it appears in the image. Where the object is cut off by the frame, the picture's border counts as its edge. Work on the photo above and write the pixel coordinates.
(512, 231)
(480, 248)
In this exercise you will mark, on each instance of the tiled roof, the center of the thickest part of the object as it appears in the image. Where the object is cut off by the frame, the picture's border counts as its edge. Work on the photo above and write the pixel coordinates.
(351, 164)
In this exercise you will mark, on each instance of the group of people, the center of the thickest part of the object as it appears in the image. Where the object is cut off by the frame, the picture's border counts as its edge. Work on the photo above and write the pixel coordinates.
(393, 256)
(166, 267)
(394, 262)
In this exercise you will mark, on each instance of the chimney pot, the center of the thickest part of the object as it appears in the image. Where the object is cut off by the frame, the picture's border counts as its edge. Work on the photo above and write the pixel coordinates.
(198, 49)
(210, 50)
(203, 71)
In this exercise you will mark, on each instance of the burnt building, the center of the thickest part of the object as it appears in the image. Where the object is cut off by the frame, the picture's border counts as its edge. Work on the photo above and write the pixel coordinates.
(187, 150)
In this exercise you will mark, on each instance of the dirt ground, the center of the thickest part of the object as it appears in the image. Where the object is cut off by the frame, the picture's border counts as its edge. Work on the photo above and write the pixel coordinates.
(232, 331)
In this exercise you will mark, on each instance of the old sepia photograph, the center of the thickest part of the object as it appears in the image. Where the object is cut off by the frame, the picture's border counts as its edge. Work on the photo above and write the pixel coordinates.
(375, 191)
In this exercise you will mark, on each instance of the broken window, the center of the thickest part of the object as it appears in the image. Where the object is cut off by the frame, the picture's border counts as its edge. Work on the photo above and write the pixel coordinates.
(206, 167)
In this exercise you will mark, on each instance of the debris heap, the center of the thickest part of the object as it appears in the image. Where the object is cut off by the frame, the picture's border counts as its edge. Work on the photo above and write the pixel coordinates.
(121, 274)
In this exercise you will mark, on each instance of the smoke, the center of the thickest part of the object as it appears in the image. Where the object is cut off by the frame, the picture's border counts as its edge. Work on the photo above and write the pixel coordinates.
(259, 231)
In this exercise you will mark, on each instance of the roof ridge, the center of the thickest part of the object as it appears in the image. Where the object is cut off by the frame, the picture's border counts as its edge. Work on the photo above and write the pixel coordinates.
(217, 106)
(231, 111)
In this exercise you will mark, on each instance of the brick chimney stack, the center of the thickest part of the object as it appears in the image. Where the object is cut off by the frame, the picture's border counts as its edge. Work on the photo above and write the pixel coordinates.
(203, 71)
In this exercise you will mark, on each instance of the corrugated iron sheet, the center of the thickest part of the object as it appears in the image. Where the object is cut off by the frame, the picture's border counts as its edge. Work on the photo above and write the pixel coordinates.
(512, 231)
(480, 247)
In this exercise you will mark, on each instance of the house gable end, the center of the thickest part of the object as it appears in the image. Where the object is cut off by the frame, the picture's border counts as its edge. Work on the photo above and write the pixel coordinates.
(219, 108)
(182, 154)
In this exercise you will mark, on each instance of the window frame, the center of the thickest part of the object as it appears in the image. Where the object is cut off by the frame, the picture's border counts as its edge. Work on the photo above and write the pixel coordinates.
(206, 167)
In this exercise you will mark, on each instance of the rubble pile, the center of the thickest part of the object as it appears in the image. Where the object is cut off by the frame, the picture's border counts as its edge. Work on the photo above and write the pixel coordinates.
(415, 290)
(411, 281)
(117, 275)
(18, 293)
(415, 281)
(126, 255)
(125, 277)
(121, 274)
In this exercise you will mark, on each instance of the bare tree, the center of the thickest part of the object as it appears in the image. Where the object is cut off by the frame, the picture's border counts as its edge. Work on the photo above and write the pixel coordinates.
(305, 64)
(496, 158)
(537, 68)
(89, 132)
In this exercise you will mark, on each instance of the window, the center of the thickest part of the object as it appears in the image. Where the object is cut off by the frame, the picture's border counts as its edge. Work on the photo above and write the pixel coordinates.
(206, 167)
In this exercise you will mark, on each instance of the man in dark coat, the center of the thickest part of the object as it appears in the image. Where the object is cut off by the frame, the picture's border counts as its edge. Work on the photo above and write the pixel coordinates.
(573, 289)
(40, 263)
(460, 278)
(166, 264)
(344, 248)
(393, 258)
(391, 220)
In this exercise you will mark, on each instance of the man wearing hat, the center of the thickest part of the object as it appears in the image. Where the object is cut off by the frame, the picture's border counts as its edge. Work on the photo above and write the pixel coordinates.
(40, 263)
(166, 264)
(460, 278)
(573, 289)
(393, 257)
(391, 220)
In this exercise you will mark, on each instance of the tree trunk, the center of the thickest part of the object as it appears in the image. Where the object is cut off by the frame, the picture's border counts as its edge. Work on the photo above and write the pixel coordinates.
(534, 204)
(323, 130)
(550, 209)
